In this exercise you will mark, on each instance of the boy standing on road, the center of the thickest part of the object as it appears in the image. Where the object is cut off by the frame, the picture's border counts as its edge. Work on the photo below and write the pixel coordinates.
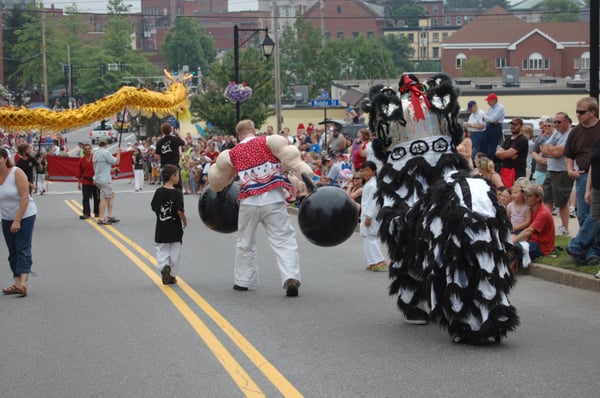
(168, 205)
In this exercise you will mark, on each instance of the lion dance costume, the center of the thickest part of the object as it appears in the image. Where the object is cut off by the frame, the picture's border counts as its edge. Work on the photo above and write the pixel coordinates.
(447, 236)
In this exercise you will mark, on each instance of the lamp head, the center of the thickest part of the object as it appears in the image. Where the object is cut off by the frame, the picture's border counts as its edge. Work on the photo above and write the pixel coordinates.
(267, 46)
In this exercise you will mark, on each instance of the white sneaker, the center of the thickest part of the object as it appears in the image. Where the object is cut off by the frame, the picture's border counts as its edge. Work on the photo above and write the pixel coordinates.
(562, 231)
(598, 275)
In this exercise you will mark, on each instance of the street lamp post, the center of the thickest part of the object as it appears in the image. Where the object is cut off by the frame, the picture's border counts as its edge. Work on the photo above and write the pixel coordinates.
(267, 46)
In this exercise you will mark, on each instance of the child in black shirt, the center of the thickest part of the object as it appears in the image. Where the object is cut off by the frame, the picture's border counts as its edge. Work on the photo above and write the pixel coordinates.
(167, 203)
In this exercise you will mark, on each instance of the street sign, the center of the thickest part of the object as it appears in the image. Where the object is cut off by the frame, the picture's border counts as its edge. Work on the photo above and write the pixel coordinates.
(324, 103)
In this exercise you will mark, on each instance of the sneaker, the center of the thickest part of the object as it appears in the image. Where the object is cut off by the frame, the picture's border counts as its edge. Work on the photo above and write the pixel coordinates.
(593, 260)
(416, 316)
(102, 222)
(240, 288)
(84, 217)
(598, 275)
(572, 212)
(562, 231)
(380, 266)
(292, 286)
(166, 275)
(555, 211)
(113, 220)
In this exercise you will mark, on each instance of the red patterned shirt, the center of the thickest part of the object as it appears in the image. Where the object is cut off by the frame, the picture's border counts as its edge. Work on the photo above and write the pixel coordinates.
(259, 171)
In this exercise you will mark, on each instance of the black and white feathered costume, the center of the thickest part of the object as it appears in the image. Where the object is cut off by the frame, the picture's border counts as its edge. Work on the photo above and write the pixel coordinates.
(448, 238)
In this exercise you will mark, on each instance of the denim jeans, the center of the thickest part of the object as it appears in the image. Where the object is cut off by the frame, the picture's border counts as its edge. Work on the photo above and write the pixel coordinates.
(492, 137)
(90, 192)
(19, 245)
(534, 250)
(585, 243)
(476, 143)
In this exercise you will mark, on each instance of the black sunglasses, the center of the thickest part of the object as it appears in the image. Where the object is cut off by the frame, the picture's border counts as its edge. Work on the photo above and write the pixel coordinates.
(581, 112)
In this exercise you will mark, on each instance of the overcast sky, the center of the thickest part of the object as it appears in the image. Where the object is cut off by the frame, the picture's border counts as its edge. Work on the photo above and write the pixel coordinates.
(95, 6)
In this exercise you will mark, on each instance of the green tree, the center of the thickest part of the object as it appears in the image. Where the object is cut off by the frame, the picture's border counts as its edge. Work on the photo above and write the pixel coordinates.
(212, 105)
(187, 43)
(560, 11)
(477, 67)
(407, 11)
(400, 49)
(26, 51)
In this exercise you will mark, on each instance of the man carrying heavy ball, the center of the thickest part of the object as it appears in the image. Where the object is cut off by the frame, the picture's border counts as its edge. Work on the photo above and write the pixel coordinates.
(260, 164)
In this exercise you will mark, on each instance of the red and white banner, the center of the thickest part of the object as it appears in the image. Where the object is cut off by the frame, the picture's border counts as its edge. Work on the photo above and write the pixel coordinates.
(65, 168)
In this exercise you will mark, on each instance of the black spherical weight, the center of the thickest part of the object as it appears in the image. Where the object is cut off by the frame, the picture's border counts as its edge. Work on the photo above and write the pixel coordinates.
(219, 211)
(328, 216)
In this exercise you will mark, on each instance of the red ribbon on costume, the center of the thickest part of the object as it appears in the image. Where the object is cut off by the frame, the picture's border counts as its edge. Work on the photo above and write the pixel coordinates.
(415, 96)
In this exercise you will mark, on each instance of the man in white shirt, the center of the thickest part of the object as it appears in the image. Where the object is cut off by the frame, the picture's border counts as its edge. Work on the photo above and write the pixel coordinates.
(475, 125)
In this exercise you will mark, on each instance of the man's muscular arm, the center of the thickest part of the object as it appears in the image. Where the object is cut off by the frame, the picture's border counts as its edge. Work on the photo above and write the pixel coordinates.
(221, 173)
(289, 155)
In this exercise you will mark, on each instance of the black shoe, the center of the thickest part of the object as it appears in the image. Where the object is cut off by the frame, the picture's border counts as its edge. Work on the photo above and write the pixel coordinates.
(84, 217)
(166, 275)
(292, 288)
(593, 261)
(113, 220)
(416, 316)
(240, 288)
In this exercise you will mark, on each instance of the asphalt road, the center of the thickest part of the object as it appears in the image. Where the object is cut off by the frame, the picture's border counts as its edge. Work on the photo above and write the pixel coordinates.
(99, 323)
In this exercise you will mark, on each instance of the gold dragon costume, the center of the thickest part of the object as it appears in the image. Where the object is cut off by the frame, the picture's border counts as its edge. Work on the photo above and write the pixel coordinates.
(136, 100)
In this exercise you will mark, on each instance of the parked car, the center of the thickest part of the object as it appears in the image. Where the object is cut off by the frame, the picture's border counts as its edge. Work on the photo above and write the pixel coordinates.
(351, 130)
(103, 130)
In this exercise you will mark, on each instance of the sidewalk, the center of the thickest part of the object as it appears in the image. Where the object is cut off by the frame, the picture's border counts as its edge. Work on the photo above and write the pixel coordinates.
(546, 272)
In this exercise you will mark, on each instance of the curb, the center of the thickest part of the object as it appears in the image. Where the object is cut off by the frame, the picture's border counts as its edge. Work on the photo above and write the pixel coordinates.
(546, 272)
(564, 276)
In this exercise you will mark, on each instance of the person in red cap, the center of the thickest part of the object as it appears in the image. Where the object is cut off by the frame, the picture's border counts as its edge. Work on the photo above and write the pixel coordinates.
(492, 135)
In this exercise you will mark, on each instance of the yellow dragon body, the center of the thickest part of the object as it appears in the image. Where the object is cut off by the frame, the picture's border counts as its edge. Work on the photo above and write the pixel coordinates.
(135, 100)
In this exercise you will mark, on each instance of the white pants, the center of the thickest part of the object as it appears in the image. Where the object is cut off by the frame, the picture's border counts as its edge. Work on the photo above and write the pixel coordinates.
(371, 248)
(280, 235)
(168, 254)
(138, 179)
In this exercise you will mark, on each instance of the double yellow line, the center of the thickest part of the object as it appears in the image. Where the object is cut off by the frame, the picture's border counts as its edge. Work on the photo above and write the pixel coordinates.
(245, 383)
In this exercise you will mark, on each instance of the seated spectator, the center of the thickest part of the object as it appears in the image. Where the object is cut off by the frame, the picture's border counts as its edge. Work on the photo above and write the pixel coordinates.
(517, 209)
(504, 196)
(487, 170)
(538, 238)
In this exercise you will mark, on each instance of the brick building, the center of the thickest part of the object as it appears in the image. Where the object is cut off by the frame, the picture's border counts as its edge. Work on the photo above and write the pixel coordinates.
(553, 49)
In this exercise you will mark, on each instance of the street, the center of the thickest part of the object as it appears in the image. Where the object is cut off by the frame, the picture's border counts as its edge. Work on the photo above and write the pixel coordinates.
(99, 323)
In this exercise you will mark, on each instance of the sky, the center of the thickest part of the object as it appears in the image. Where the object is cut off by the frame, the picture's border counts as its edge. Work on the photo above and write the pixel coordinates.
(95, 6)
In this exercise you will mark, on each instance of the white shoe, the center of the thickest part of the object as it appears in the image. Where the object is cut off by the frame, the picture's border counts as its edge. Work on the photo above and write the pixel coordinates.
(598, 275)
(562, 231)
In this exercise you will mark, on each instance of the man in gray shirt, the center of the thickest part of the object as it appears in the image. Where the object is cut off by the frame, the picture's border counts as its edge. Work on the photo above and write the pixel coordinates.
(103, 164)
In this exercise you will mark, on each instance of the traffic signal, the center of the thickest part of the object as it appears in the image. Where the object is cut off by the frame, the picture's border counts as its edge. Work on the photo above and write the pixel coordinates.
(194, 71)
(176, 72)
(66, 70)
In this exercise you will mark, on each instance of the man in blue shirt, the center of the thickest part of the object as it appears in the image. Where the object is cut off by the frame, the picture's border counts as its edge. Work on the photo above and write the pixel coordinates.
(492, 135)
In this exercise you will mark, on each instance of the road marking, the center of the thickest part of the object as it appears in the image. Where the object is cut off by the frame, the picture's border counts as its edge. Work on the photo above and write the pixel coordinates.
(245, 383)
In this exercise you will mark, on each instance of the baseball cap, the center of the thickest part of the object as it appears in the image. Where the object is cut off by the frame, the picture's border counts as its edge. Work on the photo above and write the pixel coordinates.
(491, 96)
(471, 104)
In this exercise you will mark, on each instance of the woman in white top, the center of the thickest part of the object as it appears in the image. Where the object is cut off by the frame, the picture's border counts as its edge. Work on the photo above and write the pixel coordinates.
(17, 211)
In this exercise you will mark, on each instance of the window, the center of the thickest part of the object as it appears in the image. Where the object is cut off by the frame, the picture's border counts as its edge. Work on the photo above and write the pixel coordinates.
(435, 8)
(327, 37)
(179, 11)
(448, 21)
(500, 62)
(339, 9)
(460, 59)
(422, 52)
(411, 37)
(583, 62)
(444, 36)
(340, 35)
(458, 21)
(435, 37)
(537, 62)
(370, 35)
(435, 52)
(355, 35)
(434, 23)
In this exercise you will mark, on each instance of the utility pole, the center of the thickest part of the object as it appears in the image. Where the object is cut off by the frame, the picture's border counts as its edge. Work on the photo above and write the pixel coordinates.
(69, 82)
(44, 67)
(277, 66)
(322, 23)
